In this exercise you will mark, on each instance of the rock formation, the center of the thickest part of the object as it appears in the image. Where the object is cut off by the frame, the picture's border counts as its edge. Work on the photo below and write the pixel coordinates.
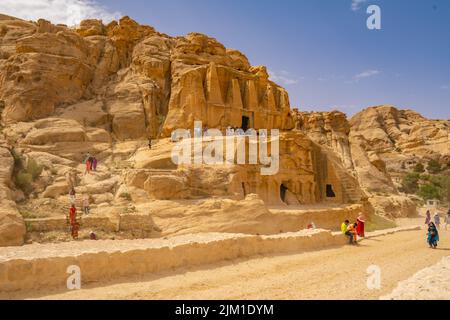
(374, 146)
(107, 89)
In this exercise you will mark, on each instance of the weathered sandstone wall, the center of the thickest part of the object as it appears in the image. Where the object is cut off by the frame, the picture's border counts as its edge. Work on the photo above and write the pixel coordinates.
(108, 260)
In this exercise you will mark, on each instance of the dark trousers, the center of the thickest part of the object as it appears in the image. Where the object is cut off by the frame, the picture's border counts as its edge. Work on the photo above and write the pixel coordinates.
(350, 235)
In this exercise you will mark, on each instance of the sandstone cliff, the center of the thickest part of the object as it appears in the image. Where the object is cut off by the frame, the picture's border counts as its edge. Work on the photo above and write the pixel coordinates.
(379, 145)
(107, 89)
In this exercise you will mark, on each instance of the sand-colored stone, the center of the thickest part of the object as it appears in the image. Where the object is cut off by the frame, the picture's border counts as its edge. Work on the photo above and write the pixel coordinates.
(428, 284)
(375, 145)
(12, 226)
(109, 260)
(108, 89)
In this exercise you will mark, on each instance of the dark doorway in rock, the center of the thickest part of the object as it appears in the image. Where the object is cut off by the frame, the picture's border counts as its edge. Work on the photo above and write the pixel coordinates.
(283, 190)
(245, 123)
(244, 189)
(330, 191)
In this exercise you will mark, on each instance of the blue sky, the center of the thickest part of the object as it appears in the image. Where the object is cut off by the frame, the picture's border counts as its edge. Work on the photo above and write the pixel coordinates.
(321, 50)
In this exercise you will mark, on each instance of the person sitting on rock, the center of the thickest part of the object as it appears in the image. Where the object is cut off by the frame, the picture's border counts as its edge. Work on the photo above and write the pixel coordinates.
(351, 232)
(345, 231)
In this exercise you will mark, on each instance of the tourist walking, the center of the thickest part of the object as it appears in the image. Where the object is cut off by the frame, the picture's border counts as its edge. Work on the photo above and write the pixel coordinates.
(74, 226)
(88, 165)
(437, 220)
(72, 197)
(86, 206)
(361, 226)
(428, 217)
(91, 162)
(94, 164)
(433, 236)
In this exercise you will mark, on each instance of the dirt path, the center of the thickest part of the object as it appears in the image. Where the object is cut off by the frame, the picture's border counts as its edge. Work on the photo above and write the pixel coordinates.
(338, 273)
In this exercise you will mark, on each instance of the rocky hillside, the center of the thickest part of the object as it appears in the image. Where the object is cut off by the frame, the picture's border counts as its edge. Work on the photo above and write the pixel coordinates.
(380, 145)
(401, 137)
(107, 89)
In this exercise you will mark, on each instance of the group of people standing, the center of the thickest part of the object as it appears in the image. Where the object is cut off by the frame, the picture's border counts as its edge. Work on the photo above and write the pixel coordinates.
(354, 230)
(434, 227)
(91, 163)
(73, 218)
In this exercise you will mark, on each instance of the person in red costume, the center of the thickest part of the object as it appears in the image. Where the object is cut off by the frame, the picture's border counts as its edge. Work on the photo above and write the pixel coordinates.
(360, 227)
(74, 226)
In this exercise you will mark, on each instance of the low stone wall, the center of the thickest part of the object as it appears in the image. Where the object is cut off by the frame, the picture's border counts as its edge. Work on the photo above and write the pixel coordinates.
(382, 233)
(109, 223)
(45, 266)
(278, 221)
(327, 218)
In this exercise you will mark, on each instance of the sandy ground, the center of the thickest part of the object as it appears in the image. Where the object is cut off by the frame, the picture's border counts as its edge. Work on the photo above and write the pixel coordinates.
(338, 273)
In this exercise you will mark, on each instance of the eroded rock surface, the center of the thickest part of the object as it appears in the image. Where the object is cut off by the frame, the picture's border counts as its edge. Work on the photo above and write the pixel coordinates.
(107, 89)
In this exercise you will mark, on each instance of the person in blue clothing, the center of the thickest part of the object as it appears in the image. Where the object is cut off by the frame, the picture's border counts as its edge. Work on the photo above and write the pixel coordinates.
(433, 236)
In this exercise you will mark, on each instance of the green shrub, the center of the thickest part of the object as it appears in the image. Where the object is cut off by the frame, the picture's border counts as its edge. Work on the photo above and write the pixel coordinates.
(29, 227)
(419, 168)
(24, 181)
(410, 183)
(18, 160)
(442, 182)
(434, 167)
(34, 169)
(126, 196)
(25, 176)
(430, 192)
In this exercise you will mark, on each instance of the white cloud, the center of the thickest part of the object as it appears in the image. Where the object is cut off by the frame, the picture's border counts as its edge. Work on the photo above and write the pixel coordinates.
(283, 77)
(69, 12)
(366, 74)
(356, 4)
(445, 87)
